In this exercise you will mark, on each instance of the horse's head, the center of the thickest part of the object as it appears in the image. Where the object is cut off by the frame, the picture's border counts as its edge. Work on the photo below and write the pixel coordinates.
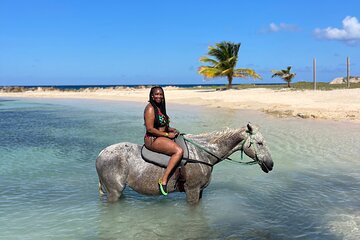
(255, 147)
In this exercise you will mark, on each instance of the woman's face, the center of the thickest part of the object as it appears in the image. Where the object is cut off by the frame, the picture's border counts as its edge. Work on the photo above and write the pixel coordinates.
(158, 95)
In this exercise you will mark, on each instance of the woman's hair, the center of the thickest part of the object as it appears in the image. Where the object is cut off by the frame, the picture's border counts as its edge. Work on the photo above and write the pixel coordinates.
(161, 106)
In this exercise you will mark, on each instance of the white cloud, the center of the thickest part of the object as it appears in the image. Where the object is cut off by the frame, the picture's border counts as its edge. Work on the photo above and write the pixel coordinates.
(349, 33)
(282, 27)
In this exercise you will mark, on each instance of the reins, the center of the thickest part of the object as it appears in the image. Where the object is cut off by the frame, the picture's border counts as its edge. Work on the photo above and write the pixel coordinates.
(222, 158)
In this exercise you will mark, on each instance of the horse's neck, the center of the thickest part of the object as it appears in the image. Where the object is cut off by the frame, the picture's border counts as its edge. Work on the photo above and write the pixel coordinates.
(221, 143)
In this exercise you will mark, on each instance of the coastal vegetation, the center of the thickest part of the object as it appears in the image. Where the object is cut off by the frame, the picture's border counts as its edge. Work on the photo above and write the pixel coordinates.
(284, 74)
(222, 63)
(296, 86)
(324, 86)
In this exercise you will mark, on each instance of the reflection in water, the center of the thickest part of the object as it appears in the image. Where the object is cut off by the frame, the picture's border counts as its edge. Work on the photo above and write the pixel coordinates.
(153, 218)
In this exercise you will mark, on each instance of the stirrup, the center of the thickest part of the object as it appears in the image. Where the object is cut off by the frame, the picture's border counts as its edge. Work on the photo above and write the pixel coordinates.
(163, 188)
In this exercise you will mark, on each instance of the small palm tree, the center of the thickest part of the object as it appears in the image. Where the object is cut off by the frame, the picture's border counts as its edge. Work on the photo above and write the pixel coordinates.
(225, 56)
(284, 74)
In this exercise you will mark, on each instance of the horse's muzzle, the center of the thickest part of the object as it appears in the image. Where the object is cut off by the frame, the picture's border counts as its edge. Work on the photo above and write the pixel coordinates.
(266, 165)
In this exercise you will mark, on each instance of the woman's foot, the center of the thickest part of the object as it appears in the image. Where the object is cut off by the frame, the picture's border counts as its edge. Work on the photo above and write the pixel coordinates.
(163, 188)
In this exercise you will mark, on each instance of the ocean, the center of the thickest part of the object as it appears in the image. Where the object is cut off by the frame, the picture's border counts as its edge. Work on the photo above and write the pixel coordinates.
(49, 185)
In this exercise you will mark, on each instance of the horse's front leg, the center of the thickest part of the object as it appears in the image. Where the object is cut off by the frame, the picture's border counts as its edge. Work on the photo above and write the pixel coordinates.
(192, 195)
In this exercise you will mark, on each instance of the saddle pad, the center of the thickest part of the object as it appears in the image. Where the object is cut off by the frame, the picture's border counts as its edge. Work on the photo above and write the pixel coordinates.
(161, 159)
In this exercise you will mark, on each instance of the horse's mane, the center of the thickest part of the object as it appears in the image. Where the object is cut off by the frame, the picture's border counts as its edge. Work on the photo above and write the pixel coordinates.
(218, 136)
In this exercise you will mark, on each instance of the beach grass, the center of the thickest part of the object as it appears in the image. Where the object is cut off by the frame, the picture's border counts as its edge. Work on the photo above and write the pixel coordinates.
(294, 86)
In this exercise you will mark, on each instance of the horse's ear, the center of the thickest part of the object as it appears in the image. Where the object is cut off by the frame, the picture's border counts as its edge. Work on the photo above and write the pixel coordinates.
(250, 127)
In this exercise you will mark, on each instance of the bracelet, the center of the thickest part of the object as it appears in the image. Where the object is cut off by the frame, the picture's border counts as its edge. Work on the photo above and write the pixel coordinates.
(166, 134)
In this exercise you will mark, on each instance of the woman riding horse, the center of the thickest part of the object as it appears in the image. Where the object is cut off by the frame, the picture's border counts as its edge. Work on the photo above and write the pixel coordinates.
(121, 164)
(159, 134)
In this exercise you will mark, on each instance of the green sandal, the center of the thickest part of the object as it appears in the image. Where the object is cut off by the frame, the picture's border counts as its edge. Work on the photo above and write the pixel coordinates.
(163, 188)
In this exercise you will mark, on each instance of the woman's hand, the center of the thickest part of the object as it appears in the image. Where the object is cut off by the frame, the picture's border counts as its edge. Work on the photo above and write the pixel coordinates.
(172, 135)
(174, 130)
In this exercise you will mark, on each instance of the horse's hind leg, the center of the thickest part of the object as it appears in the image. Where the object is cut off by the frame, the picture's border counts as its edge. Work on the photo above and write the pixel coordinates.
(113, 181)
(112, 170)
(114, 187)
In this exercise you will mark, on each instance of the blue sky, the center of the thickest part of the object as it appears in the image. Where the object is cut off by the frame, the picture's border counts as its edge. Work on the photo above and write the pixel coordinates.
(67, 42)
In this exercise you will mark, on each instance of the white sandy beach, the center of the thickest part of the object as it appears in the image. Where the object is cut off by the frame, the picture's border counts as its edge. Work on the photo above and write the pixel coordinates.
(342, 104)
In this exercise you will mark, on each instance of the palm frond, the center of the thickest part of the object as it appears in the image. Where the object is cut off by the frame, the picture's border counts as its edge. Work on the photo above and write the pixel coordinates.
(227, 72)
(209, 72)
(218, 54)
(278, 73)
(208, 60)
(246, 73)
(231, 62)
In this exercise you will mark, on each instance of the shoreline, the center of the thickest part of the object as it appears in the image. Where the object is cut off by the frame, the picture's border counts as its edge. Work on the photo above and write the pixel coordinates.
(338, 105)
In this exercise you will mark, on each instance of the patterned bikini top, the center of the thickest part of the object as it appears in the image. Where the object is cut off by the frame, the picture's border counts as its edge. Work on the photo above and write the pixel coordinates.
(163, 121)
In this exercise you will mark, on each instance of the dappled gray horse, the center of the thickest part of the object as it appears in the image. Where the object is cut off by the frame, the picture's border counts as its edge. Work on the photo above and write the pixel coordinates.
(121, 164)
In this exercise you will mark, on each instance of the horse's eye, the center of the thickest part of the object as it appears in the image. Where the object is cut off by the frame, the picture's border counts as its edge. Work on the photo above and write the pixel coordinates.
(260, 143)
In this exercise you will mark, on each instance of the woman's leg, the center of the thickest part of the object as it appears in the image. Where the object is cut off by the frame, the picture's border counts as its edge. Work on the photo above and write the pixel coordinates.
(169, 147)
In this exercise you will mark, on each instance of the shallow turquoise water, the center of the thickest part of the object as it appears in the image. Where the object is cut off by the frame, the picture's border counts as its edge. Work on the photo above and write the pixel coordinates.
(48, 181)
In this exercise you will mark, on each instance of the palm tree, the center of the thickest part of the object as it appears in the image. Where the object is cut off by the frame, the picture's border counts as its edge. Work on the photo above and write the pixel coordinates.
(284, 74)
(225, 56)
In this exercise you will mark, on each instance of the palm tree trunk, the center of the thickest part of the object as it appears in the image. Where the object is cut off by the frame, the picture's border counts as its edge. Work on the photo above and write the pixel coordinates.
(230, 78)
(288, 84)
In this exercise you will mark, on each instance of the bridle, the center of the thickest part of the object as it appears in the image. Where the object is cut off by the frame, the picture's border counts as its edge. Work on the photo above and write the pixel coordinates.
(219, 159)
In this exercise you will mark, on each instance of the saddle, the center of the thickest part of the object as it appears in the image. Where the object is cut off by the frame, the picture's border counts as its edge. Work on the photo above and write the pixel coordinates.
(161, 159)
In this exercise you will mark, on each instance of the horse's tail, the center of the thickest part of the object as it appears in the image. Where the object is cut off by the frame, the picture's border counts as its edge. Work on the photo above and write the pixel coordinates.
(102, 189)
